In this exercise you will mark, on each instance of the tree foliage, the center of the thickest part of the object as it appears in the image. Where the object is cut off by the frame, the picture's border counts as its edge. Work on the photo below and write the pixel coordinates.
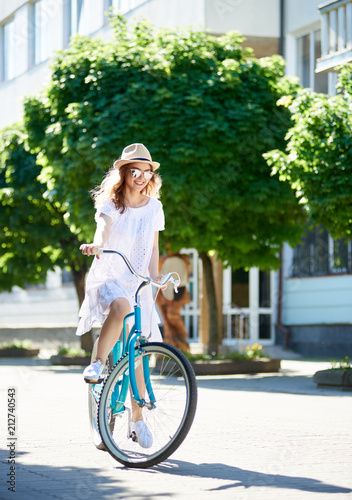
(34, 236)
(207, 110)
(31, 224)
(318, 158)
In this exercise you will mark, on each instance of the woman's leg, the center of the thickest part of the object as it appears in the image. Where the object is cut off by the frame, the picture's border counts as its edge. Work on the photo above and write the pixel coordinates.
(139, 427)
(108, 337)
(112, 327)
(136, 409)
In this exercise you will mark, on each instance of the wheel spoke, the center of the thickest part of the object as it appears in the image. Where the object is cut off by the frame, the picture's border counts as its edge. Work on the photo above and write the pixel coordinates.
(174, 387)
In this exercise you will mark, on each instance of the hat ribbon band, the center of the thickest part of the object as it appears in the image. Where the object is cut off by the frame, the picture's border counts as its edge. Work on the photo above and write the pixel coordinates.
(142, 159)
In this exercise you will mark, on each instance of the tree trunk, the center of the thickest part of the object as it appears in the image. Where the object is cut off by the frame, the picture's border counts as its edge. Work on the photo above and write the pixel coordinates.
(79, 281)
(213, 346)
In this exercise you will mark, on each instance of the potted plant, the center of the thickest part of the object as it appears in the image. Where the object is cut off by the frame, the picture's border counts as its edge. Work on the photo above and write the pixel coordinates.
(250, 360)
(18, 348)
(68, 355)
(339, 376)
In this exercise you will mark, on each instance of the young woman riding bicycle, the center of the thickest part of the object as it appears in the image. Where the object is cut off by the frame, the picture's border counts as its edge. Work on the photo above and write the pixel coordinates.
(129, 217)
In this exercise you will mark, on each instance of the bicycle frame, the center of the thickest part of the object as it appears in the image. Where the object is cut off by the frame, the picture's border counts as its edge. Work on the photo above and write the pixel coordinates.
(122, 347)
(128, 345)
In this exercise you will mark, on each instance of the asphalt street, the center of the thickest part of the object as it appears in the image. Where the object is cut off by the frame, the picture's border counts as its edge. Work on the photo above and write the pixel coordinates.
(269, 436)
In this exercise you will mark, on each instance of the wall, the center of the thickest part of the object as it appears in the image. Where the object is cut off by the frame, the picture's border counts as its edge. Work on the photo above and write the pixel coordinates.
(317, 312)
(318, 300)
(7, 8)
(172, 13)
(263, 46)
(328, 341)
(13, 92)
(251, 17)
(315, 300)
(40, 307)
(301, 13)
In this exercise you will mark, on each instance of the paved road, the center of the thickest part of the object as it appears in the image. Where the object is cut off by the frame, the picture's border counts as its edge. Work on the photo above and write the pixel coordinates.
(273, 436)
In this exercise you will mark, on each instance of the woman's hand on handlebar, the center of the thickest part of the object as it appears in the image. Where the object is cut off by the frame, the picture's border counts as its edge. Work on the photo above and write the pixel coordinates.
(90, 249)
(159, 279)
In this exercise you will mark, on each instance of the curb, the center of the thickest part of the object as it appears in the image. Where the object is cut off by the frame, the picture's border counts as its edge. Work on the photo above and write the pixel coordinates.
(18, 352)
(236, 367)
(62, 359)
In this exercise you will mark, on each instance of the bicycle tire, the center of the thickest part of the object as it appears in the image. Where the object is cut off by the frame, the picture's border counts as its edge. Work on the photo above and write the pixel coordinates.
(94, 391)
(175, 388)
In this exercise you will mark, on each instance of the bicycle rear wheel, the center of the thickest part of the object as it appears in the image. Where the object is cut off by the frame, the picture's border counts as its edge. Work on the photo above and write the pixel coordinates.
(169, 419)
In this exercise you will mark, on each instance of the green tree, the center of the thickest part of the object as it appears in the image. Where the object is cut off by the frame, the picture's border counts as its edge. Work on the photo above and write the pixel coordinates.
(317, 160)
(34, 236)
(204, 106)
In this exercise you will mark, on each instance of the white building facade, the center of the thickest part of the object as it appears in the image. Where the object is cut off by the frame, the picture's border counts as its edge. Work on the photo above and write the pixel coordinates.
(307, 303)
(317, 281)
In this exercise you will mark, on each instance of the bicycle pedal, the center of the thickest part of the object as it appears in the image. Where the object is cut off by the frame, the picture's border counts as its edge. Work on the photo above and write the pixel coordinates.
(99, 381)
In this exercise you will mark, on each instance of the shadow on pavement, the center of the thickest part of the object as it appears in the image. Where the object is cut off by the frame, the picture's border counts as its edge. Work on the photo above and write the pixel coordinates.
(43, 482)
(42, 364)
(287, 381)
(24, 362)
(279, 383)
(245, 478)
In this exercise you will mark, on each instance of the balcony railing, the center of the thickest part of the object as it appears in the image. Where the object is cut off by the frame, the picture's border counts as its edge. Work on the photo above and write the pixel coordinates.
(336, 34)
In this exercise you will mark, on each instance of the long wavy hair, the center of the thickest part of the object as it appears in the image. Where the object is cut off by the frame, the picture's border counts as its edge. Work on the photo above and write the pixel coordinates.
(113, 187)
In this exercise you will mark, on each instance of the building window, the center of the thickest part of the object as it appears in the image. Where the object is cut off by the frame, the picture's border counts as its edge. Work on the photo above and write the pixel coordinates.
(38, 33)
(240, 288)
(82, 17)
(76, 17)
(248, 306)
(264, 326)
(320, 79)
(67, 21)
(7, 48)
(304, 61)
(190, 312)
(341, 256)
(309, 50)
(320, 255)
(107, 5)
(264, 289)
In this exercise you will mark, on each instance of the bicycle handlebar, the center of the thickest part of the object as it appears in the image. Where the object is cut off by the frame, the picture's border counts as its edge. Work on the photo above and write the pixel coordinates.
(167, 278)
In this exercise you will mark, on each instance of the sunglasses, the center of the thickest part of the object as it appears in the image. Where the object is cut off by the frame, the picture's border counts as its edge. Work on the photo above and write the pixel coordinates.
(136, 173)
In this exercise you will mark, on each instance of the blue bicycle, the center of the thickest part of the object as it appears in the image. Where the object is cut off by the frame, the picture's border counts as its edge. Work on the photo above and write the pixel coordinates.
(154, 376)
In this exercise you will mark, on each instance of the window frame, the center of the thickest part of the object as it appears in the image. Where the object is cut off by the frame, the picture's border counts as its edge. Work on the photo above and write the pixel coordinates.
(310, 248)
(251, 315)
(7, 71)
(312, 75)
(37, 31)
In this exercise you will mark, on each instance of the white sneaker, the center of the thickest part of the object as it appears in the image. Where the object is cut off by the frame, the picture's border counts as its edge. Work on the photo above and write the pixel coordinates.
(93, 371)
(142, 433)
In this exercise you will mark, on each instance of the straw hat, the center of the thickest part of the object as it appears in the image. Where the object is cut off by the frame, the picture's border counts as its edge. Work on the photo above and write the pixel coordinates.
(136, 152)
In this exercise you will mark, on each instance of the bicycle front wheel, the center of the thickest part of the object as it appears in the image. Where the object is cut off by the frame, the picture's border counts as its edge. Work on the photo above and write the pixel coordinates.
(171, 401)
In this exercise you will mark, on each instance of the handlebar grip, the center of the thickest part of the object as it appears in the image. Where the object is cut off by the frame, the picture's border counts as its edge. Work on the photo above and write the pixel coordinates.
(166, 278)
(98, 251)
(176, 285)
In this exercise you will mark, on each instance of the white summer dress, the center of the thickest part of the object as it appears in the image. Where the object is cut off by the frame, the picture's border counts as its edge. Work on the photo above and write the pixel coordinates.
(132, 233)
